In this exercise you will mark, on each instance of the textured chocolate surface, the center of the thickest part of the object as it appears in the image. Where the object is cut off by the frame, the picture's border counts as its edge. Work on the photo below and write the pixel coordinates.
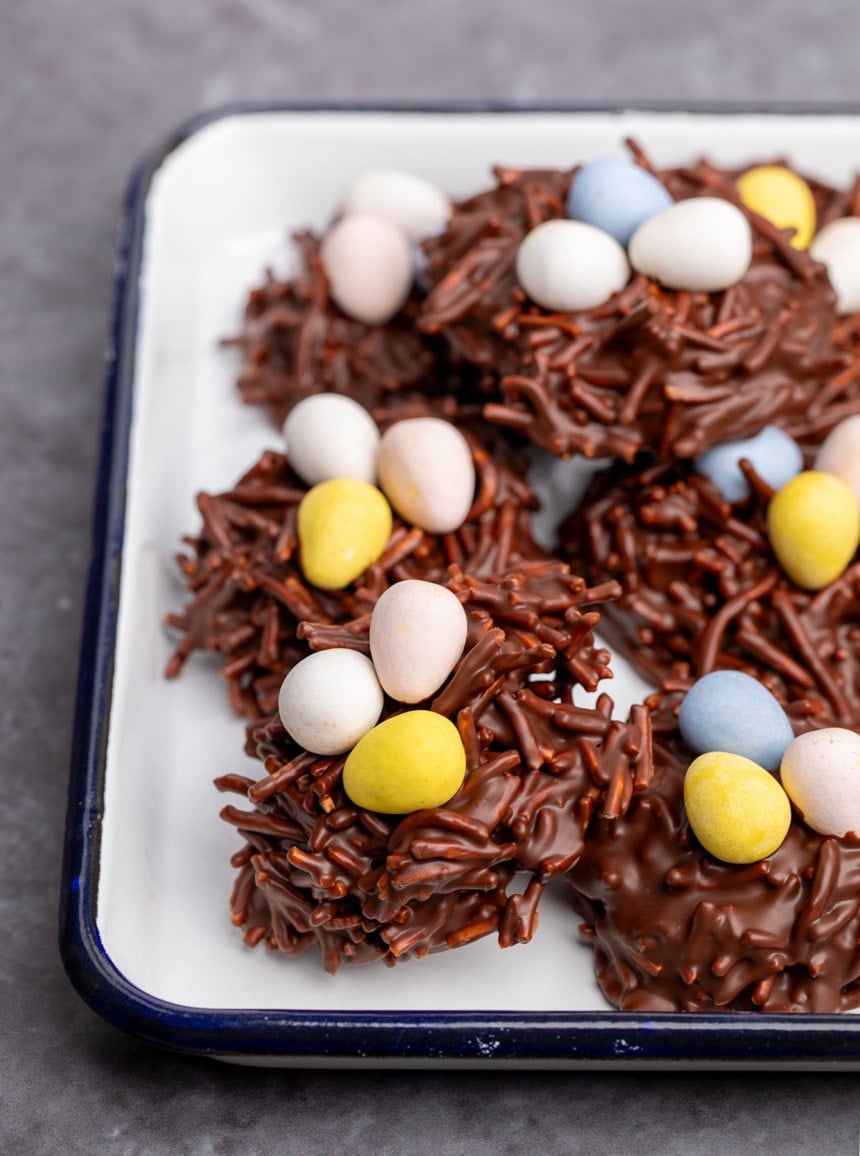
(703, 591)
(317, 870)
(248, 593)
(673, 929)
(295, 342)
(656, 369)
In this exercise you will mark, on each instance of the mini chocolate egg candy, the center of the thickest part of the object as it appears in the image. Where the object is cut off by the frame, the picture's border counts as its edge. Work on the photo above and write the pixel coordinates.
(774, 455)
(728, 710)
(417, 634)
(568, 265)
(838, 247)
(414, 204)
(814, 526)
(821, 773)
(839, 454)
(329, 435)
(425, 467)
(737, 810)
(368, 263)
(703, 244)
(407, 763)
(616, 195)
(329, 700)
(782, 197)
(343, 527)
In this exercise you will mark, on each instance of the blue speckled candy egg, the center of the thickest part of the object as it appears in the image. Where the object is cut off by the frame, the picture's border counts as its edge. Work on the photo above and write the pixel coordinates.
(617, 196)
(775, 457)
(727, 710)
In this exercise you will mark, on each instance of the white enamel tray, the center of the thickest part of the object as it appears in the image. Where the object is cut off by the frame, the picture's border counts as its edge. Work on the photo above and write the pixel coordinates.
(146, 934)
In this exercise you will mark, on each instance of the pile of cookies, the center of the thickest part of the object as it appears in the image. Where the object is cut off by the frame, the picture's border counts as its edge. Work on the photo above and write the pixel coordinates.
(412, 663)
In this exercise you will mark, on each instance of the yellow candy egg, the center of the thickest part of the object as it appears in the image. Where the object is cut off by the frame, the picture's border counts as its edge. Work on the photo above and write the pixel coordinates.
(781, 196)
(814, 526)
(738, 812)
(343, 525)
(409, 762)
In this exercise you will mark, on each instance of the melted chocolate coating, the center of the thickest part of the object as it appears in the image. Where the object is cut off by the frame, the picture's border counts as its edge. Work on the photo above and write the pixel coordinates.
(673, 929)
(363, 886)
(656, 369)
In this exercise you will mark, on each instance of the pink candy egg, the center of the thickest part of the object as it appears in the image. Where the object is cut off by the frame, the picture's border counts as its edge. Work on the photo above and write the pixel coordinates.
(368, 262)
(839, 454)
(417, 634)
(425, 468)
(837, 246)
(820, 772)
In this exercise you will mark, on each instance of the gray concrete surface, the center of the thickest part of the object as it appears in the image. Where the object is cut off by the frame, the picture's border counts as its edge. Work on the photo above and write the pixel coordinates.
(85, 87)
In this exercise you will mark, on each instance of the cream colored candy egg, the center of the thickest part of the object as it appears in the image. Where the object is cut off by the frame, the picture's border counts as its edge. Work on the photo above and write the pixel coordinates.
(738, 812)
(425, 467)
(814, 526)
(821, 773)
(329, 435)
(839, 454)
(414, 204)
(407, 763)
(329, 700)
(417, 634)
(838, 247)
(343, 527)
(703, 244)
(782, 197)
(368, 263)
(569, 265)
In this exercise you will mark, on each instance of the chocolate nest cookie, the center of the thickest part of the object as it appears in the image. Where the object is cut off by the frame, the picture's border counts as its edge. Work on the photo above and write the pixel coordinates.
(702, 590)
(366, 886)
(294, 342)
(653, 369)
(673, 929)
(248, 593)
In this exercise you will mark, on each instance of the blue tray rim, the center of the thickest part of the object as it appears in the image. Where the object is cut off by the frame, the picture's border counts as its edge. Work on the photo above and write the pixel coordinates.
(590, 1039)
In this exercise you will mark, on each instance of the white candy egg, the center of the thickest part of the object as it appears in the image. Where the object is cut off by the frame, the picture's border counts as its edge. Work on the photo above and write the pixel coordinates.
(838, 247)
(329, 435)
(425, 468)
(414, 204)
(839, 454)
(417, 634)
(329, 700)
(821, 775)
(703, 244)
(568, 265)
(368, 262)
